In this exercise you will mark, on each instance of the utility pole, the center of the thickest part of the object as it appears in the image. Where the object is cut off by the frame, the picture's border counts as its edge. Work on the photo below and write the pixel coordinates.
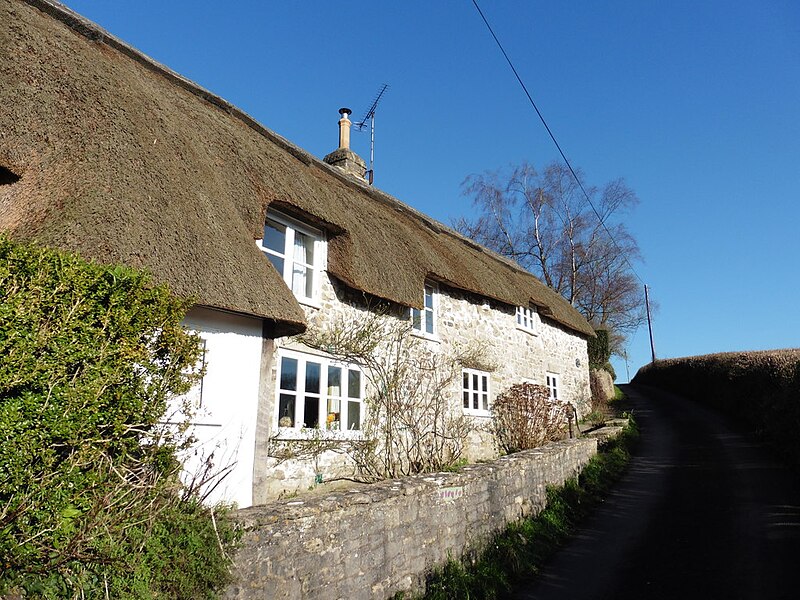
(649, 323)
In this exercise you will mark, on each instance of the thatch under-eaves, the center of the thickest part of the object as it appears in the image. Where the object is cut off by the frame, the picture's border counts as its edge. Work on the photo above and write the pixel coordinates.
(124, 161)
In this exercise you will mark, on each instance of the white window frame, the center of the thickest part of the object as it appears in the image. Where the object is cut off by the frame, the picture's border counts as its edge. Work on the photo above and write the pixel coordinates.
(528, 319)
(301, 395)
(316, 268)
(553, 380)
(428, 314)
(476, 387)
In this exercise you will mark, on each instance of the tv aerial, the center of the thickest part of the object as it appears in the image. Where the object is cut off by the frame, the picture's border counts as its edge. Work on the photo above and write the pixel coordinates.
(360, 125)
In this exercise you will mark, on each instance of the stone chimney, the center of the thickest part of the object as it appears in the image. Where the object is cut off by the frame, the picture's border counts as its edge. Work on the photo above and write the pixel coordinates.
(344, 158)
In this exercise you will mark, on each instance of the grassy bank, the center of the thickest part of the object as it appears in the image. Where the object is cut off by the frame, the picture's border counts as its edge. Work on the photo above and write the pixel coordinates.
(524, 547)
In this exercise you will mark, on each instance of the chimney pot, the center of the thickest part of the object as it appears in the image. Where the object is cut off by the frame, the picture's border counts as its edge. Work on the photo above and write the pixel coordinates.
(343, 157)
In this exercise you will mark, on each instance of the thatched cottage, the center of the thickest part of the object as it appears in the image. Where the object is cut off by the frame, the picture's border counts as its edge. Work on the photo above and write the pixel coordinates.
(105, 152)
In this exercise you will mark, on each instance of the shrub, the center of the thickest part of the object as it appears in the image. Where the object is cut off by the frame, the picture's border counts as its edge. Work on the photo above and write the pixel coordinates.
(760, 389)
(90, 503)
(599, 349)
(524, 417)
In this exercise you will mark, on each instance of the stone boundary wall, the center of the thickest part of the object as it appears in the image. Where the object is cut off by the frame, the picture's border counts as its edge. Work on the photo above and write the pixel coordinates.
(377, 540)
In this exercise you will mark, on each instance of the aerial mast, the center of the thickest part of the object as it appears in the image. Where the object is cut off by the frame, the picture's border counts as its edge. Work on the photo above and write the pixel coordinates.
(370, 116)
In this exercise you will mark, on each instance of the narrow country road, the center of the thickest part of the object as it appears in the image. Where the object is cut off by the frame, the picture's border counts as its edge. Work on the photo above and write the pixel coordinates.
(703, 512)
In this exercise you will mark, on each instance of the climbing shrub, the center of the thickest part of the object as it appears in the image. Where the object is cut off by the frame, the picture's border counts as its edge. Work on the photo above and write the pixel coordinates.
(525, 417)
(599, 349)
(90, 501)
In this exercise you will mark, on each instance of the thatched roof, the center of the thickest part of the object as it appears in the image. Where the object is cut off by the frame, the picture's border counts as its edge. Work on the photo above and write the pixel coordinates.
(125, 161)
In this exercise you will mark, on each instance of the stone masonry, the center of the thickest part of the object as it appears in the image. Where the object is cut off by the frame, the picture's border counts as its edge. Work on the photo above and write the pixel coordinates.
(511, 355)
(375, 541)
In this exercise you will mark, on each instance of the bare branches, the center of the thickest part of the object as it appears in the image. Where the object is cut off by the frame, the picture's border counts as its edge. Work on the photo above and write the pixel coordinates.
(411, 424)
(525, 417)
(543, 221)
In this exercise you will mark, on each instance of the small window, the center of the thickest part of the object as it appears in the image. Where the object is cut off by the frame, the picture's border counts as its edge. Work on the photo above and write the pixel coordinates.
(552, 386)
(296, 252)
(424, 321)
(528, 318)
(475, 392)
(7, 177)
(316, 393)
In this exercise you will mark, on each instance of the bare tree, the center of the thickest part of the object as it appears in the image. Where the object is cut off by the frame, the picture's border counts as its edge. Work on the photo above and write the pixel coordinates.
(544, 222)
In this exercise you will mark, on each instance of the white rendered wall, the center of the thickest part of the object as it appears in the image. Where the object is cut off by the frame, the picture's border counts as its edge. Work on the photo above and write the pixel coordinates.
(225, 423)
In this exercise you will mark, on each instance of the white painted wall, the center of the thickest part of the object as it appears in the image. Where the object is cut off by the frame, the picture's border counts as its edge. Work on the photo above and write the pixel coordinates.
(228, 401)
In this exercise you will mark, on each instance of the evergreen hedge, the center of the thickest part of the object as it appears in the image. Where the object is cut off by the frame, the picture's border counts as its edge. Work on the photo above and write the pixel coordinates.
(90, 502)
(760, 389)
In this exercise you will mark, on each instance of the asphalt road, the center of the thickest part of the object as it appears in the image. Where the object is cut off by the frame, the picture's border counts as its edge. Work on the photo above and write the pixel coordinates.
(703, 512)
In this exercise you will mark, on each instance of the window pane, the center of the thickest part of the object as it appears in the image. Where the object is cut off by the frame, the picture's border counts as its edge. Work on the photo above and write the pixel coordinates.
(429, 298)
(353, 383)
(429, 321)
(311, 413)
(353, 415)
(312, 377)
(334, 413)
(475, 400)
(303, 248)
(416, 321)
(286, 410)
(475, 381)
(277, 262)
(301, 281)
(485, 398)
(466, 396)
(288, 374)
(334, 382)
(466, 381)
(274, 236)
(485, 383)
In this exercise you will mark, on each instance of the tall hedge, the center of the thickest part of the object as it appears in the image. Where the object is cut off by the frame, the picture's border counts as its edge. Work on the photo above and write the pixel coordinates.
(761, 389)
(90, 501)
(599, 349)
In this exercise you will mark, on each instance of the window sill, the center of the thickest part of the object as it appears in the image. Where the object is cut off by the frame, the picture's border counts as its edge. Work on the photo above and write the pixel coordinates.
(471, 412)
(431, 337)
(309, 302)
(287, 434)
(532, 332)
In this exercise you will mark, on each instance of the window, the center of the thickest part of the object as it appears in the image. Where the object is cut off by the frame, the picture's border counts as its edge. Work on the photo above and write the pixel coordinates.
(527, 318)
(475, 392)
(317, 393)
(552, 385)
(297, 252)
(424, 321)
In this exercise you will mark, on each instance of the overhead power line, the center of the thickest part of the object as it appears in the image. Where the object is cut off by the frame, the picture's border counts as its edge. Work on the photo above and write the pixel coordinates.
(555, 141)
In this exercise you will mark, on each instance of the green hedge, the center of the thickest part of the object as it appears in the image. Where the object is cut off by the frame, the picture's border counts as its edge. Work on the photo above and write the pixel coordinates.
(761, 389)
(90, 502)
(599, 349)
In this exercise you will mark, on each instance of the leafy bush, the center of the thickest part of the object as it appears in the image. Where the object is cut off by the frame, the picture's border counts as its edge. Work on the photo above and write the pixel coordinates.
(524, 417)
(90, 502)
(599, 349)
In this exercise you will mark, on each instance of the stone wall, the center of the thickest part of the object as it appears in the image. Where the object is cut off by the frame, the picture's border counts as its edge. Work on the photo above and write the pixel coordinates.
(510, 354)
(377, 540)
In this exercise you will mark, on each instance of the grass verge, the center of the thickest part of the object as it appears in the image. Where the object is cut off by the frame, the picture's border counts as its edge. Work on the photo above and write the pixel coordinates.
(523, 547)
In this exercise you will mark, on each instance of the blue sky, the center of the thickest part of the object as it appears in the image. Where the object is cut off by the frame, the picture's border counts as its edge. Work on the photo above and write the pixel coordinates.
(695, 104)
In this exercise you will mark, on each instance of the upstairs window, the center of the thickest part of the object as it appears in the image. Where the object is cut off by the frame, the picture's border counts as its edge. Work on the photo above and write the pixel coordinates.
(297, 252)
(424, 321)
(475, 392)
(528, 318)
(552, 386)
(317, 393)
